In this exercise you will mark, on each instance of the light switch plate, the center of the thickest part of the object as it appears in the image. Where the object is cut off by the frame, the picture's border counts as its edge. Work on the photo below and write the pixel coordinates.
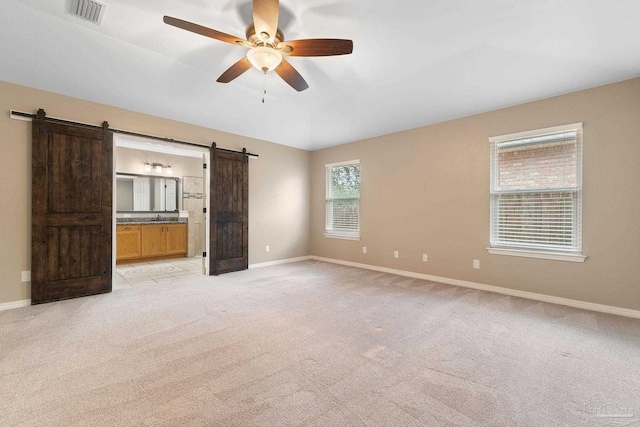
(476, 264)
(26, 276)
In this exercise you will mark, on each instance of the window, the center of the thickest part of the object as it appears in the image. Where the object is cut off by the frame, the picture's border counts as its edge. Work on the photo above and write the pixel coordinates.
(343, 200)
(536, 192)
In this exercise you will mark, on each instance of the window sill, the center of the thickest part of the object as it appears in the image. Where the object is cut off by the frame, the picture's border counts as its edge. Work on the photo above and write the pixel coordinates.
(531, 253)
(341, 236)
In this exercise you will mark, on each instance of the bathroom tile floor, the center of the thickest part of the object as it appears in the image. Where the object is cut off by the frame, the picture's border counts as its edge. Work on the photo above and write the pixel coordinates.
(154, 272)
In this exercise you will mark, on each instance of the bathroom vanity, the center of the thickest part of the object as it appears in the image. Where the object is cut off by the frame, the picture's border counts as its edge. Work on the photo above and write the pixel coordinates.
(150, 240)
(157, 236)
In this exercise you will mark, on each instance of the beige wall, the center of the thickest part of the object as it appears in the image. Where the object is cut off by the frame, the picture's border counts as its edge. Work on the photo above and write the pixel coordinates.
(129, 160)
(423, 191)
(278, 180)
(427, 191)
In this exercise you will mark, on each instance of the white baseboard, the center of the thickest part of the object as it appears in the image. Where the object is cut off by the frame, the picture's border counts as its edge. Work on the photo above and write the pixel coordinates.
(14, 304)
(455, 282)
(489, 288)
(280, 261)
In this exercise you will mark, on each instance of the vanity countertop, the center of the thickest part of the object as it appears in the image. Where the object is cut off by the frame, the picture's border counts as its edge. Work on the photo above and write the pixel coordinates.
(146, 220)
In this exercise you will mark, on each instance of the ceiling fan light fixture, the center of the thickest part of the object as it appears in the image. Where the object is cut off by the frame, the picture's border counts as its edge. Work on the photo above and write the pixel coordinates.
(264, 58)
(267, 45)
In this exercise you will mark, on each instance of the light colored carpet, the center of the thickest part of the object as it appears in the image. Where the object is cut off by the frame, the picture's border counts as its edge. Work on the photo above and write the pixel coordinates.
(314, 344)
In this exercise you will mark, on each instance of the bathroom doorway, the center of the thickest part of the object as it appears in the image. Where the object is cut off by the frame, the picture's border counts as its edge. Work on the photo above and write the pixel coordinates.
(160, 227)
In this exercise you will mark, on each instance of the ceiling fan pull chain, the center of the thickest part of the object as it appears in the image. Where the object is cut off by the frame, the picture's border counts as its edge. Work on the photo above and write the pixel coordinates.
(264, 86)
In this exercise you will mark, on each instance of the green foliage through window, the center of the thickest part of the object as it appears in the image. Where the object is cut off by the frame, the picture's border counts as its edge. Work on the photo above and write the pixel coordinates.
(345, 181)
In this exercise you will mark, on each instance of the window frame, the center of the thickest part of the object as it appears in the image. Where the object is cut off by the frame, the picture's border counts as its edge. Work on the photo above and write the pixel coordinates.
(498, 247)
(330, 233)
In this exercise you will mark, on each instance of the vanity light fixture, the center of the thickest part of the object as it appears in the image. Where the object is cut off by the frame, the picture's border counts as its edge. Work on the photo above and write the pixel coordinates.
(157, 168)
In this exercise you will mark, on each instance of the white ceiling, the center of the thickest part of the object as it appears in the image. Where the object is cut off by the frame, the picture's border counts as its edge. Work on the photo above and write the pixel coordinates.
(415, 62)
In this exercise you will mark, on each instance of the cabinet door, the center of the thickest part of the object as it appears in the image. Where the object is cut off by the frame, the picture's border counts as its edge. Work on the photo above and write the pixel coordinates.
(153, 240)
(128, 242)
(176, 239)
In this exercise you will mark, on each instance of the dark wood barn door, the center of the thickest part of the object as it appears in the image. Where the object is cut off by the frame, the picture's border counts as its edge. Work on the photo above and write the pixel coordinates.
(229, 212)
(72, 179)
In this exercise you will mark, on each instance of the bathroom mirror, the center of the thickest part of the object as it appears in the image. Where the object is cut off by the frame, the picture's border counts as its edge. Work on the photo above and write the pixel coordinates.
(146, 193)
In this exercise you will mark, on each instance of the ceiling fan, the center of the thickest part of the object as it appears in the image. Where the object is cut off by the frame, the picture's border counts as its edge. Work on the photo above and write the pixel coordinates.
(266, 44)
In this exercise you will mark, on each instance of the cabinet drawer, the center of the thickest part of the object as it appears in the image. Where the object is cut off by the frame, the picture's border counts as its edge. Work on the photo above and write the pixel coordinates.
(127, 228)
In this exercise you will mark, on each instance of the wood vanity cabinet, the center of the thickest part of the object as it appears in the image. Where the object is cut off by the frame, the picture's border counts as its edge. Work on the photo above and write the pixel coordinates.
(148, 241)
(176, 239)
(154, 240)
(128, 242)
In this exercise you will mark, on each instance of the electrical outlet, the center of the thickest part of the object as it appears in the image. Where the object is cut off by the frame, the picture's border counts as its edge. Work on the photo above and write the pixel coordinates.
(26, 276)
(127, 215)
(424, 257)
(476, 264)
(266, 249)
(396, 254)
(364, 249)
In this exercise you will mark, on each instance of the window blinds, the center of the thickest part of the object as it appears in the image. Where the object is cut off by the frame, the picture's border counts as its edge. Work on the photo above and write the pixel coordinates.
(536, 191)
(343, 198)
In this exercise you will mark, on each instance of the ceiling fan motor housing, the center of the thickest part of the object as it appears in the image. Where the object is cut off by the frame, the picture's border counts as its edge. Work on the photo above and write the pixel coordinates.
(255, 39)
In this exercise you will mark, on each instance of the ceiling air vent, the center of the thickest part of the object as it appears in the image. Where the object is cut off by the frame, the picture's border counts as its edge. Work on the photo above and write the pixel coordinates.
(90, 10)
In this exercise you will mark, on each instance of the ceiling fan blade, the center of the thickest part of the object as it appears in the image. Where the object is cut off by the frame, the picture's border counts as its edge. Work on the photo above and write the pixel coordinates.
(265, 18)
(205, 31)
(316, 47)
(235, 70)
(291, 76)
